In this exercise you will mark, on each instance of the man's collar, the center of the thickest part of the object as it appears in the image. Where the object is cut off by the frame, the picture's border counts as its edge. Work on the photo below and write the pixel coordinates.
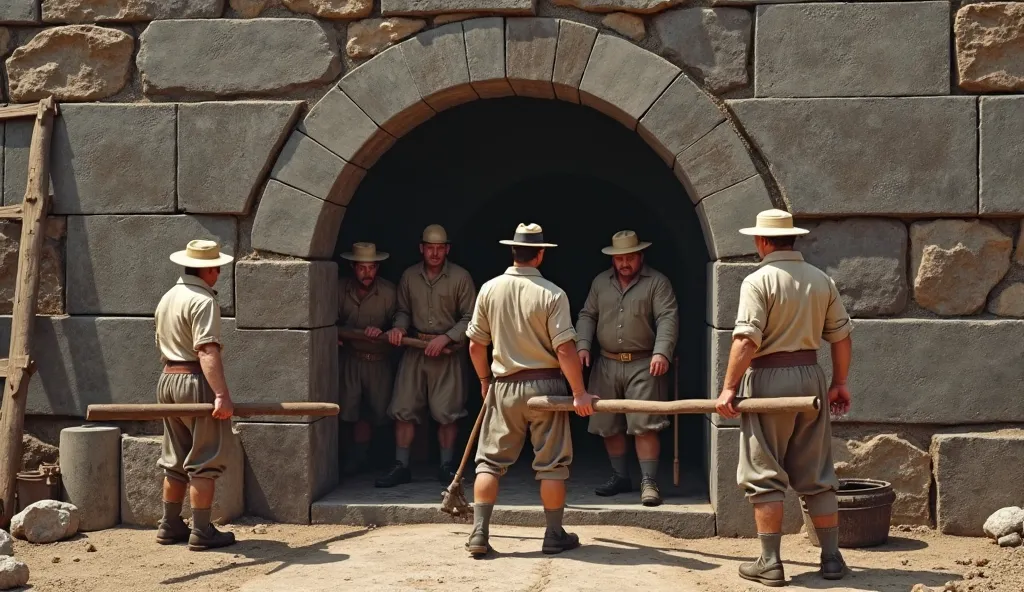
(782, 256)
(191, 280)
(523, 271)
(444, 269)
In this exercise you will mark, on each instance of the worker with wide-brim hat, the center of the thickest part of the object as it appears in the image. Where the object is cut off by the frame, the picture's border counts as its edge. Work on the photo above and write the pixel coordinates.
(365, 253)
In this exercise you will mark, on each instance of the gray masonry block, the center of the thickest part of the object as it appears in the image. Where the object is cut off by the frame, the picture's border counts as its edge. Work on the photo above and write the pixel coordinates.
(251, 132)
(623, 80)
(719, 343)
(339, 125)
(682, 115)
(109, 274)
(530, 55)
(384, 89)
(724, 279)
(716, 161)
(898, 156)
(293, 222)
(852, 50)
(288, 467)
(437, 61)
(575, 42)
(975, 475)
(19, 12)
(1001, 168)
(104, 159)
(307, 166)
(485, 57)
(311, 288)
(431, 7)
(722, 214)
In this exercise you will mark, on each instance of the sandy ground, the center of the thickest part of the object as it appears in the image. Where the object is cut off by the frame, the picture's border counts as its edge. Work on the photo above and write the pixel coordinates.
(431, 557)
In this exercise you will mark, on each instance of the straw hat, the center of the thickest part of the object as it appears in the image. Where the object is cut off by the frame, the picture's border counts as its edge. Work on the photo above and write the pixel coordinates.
(365, 253)
(625, 242)
(435, 234)
(774, 223)
(201, 253)
(528, 235)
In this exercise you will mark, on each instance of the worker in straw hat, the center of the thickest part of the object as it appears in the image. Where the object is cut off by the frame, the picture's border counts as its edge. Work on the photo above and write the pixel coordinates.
(633, 312)
(526, 318)
(367, 303)
(188, 336)
(786, 307)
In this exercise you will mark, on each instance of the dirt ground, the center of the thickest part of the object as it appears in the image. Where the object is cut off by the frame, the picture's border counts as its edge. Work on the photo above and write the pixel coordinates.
(430, 557)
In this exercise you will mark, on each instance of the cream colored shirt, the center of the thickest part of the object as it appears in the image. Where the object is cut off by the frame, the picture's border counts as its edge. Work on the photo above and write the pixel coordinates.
(375, 309)
(525, 316)
(441, 305)
(788, 304)
(187, 317)
(642, 317)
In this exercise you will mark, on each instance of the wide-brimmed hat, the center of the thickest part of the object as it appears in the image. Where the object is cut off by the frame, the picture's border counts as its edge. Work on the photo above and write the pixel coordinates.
(365, 253)
(528, 235)
(774, 223)
(435, 234)
(625, 242)
(201, 253)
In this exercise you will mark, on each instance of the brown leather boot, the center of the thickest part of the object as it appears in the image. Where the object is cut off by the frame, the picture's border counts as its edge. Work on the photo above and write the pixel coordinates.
(477, 544)
(833, 567)
(209, 538)
(758, 571)
(649, 494)
(556, 542)
(172, 531)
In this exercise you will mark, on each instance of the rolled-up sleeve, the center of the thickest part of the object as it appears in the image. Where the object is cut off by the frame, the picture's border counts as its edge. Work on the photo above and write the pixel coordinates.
(752, 314)
(205, 323)
(479, 327)
(560, 321)
(838, 324)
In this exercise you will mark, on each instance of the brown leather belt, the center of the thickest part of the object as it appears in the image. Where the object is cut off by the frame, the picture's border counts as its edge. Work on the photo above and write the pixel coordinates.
(531, 374)
(627, 356)
(366, 356)
(802, 357)
(182, 368)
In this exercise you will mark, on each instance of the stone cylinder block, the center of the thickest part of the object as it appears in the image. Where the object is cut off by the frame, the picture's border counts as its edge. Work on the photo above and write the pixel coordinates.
(90, 469)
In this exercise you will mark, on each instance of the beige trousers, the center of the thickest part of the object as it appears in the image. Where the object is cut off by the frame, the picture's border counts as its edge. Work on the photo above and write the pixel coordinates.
(437, 383)
(611, 379)
(192, 446)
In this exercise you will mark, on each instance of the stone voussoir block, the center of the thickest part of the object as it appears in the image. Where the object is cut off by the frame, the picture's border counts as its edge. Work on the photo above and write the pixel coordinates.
(714, 162)
(972, 474)
(306, 165)
(437, 62)
(572, 52)
(485, 57)
(312, 287)
(1001, 161)
(682, 115)
(293, 222)
(715, 42)
(432, 7)
(724, 279)
(384, 89)
(722, 214)
(363, 141)
(128, 11)
(530, 55)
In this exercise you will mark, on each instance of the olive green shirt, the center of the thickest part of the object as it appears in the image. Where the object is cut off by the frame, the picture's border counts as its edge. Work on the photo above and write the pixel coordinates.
(375, 309)
(642, 317)
(187, 317)
(442, 305)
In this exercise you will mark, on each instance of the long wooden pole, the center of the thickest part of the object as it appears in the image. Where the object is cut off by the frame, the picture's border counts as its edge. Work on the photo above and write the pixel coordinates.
(351, 335)
(147, 411)
(767, 405)
(35, 207)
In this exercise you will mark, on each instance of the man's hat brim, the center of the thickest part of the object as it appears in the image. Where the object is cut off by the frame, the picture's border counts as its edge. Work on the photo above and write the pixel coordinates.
(755, 231)
(515, 243)
(380, 256)
(625, 250)
(181, 258)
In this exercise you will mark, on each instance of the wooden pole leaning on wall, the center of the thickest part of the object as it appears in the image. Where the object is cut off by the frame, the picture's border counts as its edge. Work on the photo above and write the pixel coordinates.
(743, 405)
(19, 366)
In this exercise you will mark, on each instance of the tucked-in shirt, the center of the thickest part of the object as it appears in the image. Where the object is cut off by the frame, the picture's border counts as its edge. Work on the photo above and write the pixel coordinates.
(788, 304)
(525, 316)
(374, 309)
(641, 317)
(187, 317)
(441, 305)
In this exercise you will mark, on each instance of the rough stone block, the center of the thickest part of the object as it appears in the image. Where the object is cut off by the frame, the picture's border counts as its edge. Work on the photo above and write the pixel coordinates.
(724, 281)
(226, 57)
(572, 52)
(384, 89)
(899, 156)
(682, 115)
(623, 80)
(990, 46)
(896, 460)
(367, 38)
(716, 161)
(288, 466)
(722, 214)
(308, 166)
(852, 50)
(311, 286)
(437, 61)
(104, 159)
(109, 274)
(19, 12)
(530, 55)
(50, 298)
(252, 132)
(361, 144)
(713, 41)
(430, 7)
(633, 6)
(293, 222)
(1001, 162)
(97, 11)
(974, 477)
(142, 483)
(485, 56)
(331, 9)
(628, 25)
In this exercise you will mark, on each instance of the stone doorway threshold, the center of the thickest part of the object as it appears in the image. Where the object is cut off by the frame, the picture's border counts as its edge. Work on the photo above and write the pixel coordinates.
(685, 513)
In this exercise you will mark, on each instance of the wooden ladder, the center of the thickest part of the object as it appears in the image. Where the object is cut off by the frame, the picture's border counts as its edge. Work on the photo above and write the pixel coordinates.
(19, 366)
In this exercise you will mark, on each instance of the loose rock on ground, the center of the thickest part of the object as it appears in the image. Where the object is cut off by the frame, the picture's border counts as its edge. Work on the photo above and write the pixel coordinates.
(13, 573)
(1004, 522)
(46, 521)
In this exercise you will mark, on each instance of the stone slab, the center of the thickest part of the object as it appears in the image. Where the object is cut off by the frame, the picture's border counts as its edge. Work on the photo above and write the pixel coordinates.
(437, 62)
(719, 342)
(485, 57)
(142, 483)
(252, 132)
(311, 287)
(293, 222)
(888, 156)
(714, 162)
(1001, 161)
(572, 52)
(384, 89)
(682, 115)
(431, 7)
(362, 141)
(104, 159)
(530, 55)
(722, 214)
(714, 43)
(724, 279)
(288, 467)
(852, 49)
(19, 12)
(230, 57)
(623, 80)
(306, 165)
(974, 476)
(989, 48)
(108, 274)
(128, 11)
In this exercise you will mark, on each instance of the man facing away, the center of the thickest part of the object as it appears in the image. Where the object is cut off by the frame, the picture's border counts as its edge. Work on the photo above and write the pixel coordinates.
(188, 336)
(527, 319)
(632, 308)
(786, 307)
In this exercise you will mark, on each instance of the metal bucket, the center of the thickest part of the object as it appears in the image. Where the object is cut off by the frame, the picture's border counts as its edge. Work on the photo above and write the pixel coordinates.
(865, 510)
(40, 484)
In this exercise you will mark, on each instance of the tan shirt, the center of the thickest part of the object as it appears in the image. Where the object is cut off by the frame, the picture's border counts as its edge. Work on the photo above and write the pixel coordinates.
(187, 317)
(788, 304)
(642, 317)
(525, 316)
(443, 305)
(375, 309)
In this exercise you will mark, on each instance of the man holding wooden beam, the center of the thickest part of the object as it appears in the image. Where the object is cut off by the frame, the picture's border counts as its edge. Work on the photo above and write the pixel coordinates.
(786, 307)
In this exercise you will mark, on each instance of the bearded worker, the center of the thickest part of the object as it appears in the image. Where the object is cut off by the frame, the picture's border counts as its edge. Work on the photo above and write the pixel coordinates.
(786, 307)
(633, 310)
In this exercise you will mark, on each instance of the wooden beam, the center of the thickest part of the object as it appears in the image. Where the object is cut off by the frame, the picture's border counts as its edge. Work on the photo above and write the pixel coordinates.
(743, 405)
(14, 212)
(4, 363)
(16, 111)
(147, 411)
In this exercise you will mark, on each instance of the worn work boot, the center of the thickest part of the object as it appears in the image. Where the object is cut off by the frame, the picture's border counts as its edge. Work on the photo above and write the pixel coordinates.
(616, 484)
(649, 494)
(209, 538)
(556, 542)
(768, 574)
(169, 532)
(477, 545)
(446, 473)
(833, 567)
(398, 474)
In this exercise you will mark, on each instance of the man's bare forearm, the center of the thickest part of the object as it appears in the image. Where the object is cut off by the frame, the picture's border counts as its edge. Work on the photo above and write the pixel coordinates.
(740, 355)
(569, 361)
(842, 353)
(213, 368)
(478, 355)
